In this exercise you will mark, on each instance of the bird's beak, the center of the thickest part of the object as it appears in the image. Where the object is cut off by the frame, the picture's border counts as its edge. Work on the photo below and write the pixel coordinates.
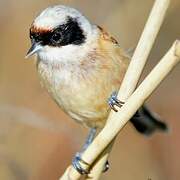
(34, 49)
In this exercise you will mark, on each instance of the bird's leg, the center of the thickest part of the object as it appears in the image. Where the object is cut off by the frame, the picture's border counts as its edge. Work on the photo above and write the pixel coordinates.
(76, 161)
(113, 101)
(89, 138)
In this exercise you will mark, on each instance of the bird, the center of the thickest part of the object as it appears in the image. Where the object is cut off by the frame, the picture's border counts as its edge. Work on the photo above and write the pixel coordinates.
(82, 66)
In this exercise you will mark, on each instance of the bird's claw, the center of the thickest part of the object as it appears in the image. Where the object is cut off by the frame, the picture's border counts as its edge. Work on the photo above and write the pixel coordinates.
(77, 164)
(113, 101)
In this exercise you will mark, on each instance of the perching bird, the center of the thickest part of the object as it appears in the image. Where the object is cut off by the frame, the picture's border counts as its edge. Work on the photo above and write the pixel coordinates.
(82, 65)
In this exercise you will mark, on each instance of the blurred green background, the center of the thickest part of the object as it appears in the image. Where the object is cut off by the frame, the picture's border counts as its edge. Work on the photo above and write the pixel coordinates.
(38, 141)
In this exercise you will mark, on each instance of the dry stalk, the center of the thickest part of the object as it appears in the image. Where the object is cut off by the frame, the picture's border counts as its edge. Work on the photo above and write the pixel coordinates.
(136, 66)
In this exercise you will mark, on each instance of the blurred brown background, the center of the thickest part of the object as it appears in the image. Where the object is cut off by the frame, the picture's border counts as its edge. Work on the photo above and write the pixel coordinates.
(38, 141)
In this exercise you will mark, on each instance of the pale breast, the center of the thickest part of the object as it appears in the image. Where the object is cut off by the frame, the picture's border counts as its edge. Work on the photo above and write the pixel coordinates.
(76, 91)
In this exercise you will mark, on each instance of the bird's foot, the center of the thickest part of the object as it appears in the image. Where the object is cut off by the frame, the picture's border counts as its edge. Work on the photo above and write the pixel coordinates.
(77, 164)
(113, 101)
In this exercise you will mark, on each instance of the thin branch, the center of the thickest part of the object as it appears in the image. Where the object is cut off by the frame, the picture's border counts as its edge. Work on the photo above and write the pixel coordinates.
(137, 64)
(119, 119)
(143, 49)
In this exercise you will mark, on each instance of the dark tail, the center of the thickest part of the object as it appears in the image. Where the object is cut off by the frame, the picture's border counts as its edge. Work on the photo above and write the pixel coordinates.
(147, 122)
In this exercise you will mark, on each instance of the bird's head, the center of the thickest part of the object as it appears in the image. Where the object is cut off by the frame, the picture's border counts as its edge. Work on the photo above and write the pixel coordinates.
(60, 33)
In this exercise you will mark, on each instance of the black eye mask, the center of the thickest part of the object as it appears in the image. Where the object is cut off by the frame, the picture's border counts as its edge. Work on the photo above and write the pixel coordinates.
(69, 33)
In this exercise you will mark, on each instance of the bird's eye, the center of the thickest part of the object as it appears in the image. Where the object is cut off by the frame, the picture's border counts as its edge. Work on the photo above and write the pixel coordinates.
(31, 35)
(56, 37)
